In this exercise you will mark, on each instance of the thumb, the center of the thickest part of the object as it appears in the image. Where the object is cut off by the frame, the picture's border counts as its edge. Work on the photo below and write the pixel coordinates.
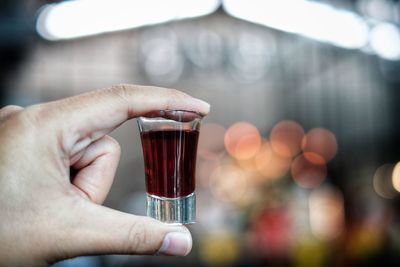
(101, 230)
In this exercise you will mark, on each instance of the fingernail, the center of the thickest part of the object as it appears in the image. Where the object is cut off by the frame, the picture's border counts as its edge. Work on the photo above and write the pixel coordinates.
(176, 244)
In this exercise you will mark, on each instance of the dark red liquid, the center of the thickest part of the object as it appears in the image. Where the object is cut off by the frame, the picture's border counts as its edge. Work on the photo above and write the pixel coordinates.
(170, 162)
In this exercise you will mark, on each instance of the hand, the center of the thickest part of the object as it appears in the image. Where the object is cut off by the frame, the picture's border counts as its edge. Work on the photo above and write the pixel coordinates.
(48, 214)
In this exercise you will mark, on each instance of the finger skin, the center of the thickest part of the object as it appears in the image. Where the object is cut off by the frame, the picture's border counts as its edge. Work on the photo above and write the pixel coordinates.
(96, 168)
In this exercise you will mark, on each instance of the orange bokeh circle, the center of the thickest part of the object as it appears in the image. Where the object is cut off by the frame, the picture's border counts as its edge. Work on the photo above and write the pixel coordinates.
(320, 141)
(286, 137)
(270, 164)
(211, 141)
(308, 170)
(242, 140)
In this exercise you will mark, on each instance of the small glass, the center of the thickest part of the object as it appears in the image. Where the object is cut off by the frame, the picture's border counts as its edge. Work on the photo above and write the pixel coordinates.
(169, 142)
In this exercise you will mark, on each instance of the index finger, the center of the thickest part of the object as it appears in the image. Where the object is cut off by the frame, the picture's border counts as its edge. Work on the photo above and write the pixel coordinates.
(96, 113)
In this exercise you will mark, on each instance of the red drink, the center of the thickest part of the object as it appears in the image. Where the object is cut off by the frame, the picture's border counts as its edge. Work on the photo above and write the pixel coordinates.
(170, 162)
(169, 141)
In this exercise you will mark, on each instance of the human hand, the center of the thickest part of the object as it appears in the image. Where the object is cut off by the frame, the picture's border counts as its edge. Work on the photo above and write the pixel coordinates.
(47, 215)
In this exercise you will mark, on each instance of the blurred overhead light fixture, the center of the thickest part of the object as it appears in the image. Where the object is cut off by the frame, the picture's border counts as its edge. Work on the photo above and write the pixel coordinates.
(78, 18)
(311, 19)
(385, 41)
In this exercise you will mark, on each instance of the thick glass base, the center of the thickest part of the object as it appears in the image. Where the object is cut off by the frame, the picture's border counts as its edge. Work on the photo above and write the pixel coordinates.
(181, 210)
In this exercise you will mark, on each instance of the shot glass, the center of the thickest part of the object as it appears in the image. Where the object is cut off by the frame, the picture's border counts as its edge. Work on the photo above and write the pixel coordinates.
(169, 141)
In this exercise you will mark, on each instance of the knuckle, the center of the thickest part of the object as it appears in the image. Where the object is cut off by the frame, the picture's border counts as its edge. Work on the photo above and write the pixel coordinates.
(10, 108)
(8, 112)
(122, 91)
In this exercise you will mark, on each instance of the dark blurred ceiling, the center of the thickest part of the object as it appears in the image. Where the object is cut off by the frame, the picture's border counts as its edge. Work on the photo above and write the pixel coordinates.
(16, 33)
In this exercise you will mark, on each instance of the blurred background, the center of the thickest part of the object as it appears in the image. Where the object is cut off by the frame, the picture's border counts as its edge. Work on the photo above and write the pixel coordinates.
(298, 160)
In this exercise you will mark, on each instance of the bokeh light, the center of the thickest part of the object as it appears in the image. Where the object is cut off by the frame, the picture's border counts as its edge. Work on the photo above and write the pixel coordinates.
(286, 137)
(162, 60)
(382, 181)
(211, 141)
(242, 140)
(396, 177)
(270, 232)
(270, 164)
(248, 164)
(308, 170)
(228, 183)
(204, 168)
(220, 249)
(310, 252)
(364, 240)
(320, 141)
(251, 56)
(385, 40)
(205, 49)
(326, 213)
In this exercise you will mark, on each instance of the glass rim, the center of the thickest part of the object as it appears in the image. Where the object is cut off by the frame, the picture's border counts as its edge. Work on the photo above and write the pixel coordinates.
(174, 114)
